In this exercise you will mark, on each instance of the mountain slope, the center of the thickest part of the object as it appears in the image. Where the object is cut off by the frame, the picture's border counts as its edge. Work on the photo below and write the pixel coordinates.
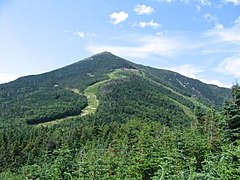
(139, 91)
(207, 93)
(138, 97)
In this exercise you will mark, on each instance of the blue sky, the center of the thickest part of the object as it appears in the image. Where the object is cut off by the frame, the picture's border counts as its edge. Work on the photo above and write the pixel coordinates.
(197, 38)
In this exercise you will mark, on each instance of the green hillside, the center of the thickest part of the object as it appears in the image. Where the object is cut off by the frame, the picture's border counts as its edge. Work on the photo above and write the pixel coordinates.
(135, 96)
(47, 97)
(107, 118)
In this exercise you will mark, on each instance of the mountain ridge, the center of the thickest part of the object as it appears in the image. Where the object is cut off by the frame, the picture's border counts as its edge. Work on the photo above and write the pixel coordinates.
(177, 91)
(100, 54)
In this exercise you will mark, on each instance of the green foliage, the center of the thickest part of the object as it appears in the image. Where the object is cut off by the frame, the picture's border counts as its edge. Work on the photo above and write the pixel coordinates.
(207, 94)
(137, 149)
(232, 112)
(28, 98)
(43, 105)
(149, 125)
(137, 97)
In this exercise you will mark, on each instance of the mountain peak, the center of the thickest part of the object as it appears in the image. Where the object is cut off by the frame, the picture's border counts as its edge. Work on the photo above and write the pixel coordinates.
(103, 53)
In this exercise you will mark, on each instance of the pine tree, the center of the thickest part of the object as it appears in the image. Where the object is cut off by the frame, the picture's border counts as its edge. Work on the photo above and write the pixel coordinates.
(232, 112)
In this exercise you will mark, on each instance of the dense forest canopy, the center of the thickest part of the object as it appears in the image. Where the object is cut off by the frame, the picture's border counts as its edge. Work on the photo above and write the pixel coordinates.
(148, 124)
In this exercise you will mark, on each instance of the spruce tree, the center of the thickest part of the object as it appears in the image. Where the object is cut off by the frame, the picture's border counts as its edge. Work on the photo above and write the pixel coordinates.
(232, 112)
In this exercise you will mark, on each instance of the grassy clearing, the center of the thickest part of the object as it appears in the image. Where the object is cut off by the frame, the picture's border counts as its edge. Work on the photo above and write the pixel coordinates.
(90, 92)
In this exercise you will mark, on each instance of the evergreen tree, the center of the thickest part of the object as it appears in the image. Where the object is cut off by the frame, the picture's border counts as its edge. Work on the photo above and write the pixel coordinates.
(232, 112)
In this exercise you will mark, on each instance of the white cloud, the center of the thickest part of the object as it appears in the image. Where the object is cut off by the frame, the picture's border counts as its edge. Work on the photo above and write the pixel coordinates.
(237, 22)
(231, 34)
(143, 9)
(118, 17)
(82, 34)
(235, 2)
(205, 2)
(7, 77)
(230, 65)
(151, 23)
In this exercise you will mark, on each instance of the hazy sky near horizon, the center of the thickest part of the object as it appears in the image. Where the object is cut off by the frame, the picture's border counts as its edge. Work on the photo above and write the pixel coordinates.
(197, 38)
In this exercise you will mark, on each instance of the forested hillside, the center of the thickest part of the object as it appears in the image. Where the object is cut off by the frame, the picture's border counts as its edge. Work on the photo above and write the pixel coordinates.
(208, 94)
(48, 96)
(107, 118)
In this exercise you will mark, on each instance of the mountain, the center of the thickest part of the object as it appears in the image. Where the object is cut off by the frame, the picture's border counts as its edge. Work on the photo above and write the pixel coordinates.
(107, 118)
(132, 91)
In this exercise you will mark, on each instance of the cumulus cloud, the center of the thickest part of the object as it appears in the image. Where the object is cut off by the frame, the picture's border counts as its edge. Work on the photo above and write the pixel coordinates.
(118, 17)
(235, 2)
(230, 65)
(231, 34)
(7, 77)
(151, 23)
(143, 9)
